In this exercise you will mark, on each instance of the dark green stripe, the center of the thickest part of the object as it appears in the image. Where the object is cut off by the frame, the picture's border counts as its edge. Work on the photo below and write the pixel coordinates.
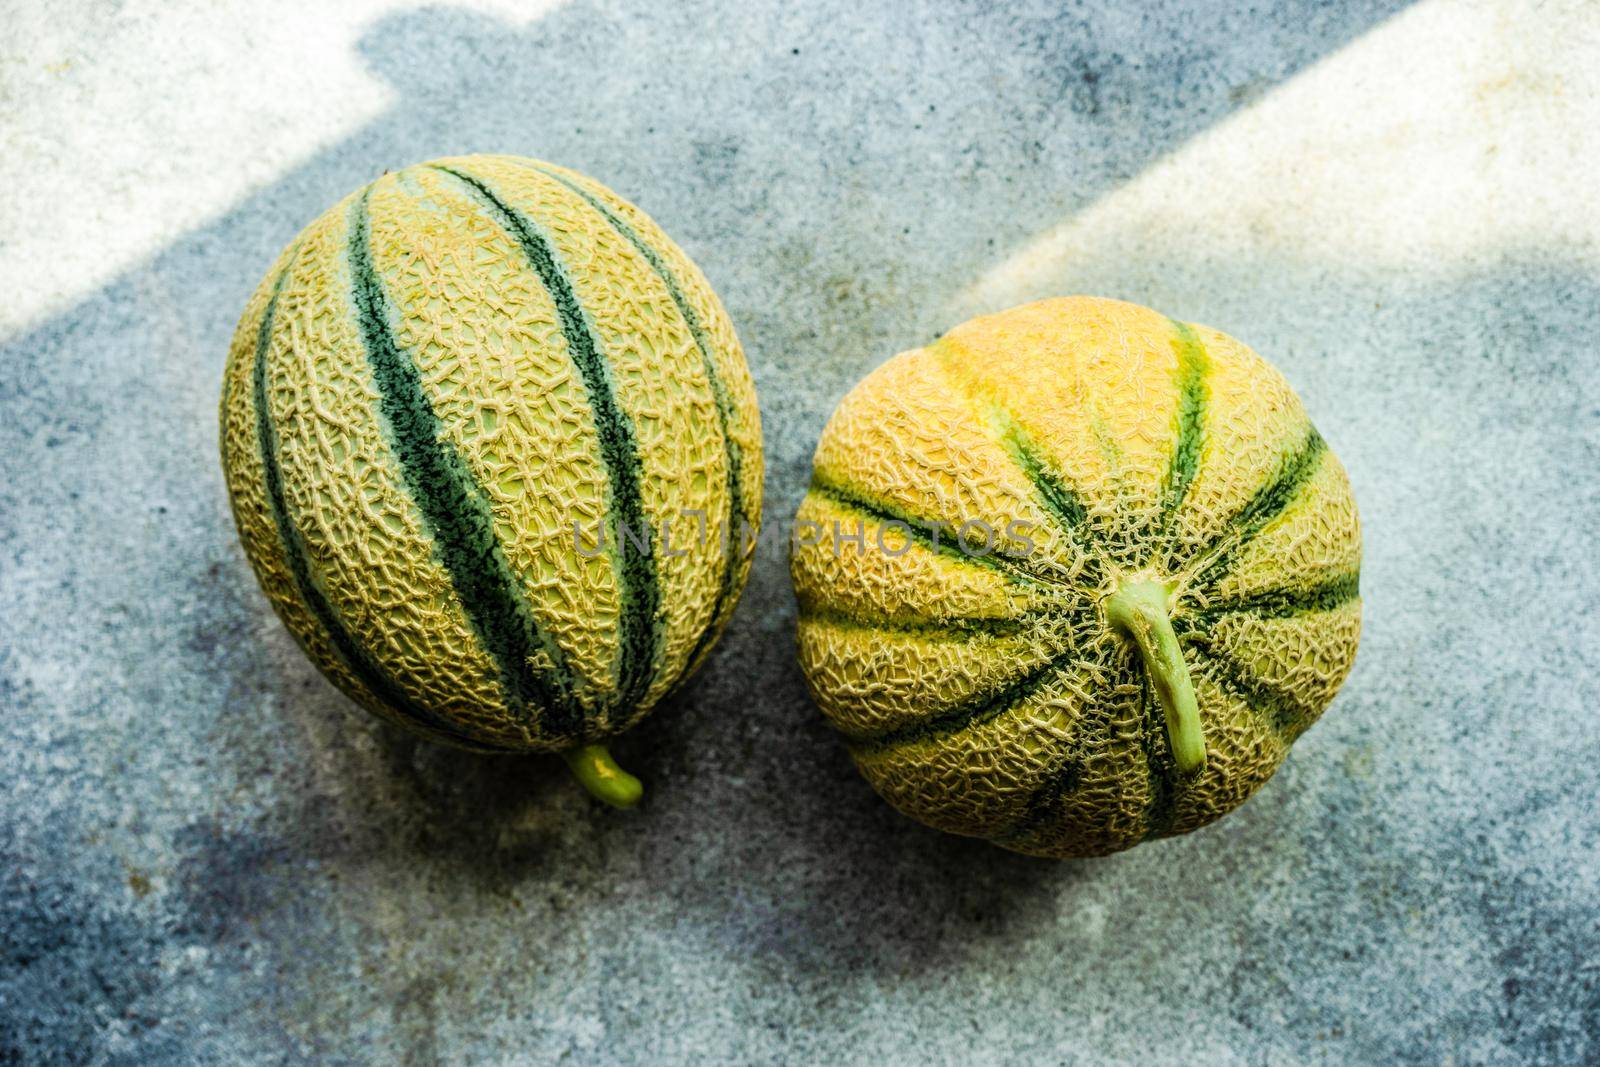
(639, 625)
(1283, 603)
(917, 529)
(949, 629)
(1193, 393)
(1161, 769)
(457, 513)
(1060, 782)
(1060, 500)
(361, 664)
(1066, 777)
(726, 414)
(969, 713)
(1280, 710)
(1294, 471)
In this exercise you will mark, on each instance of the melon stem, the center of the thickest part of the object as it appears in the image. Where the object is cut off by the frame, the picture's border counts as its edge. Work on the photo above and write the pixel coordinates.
(593, 766)
(1139, 610)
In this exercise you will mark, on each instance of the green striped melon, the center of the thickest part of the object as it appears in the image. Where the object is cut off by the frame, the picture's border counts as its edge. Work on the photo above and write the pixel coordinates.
(494, 454)
(1074, 576)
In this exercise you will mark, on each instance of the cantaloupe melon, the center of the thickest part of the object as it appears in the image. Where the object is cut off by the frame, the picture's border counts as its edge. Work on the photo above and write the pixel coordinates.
(494, 454)
(1074, 576)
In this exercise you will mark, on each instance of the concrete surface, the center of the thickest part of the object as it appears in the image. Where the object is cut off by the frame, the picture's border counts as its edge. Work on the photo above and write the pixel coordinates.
(206, 855)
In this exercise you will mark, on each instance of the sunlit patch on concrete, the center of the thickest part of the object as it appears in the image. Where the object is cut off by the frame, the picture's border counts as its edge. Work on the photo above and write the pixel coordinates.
(96, 178)
(1453, 133)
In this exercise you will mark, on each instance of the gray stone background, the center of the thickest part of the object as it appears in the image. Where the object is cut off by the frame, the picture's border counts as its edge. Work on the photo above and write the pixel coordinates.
(207, 855)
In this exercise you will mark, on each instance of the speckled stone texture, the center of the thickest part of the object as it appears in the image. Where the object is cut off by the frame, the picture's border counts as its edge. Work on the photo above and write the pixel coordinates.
(208, 855)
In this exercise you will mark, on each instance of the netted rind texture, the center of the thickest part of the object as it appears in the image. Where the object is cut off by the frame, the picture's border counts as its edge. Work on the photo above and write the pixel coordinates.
(973, 505)
(494, 453)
